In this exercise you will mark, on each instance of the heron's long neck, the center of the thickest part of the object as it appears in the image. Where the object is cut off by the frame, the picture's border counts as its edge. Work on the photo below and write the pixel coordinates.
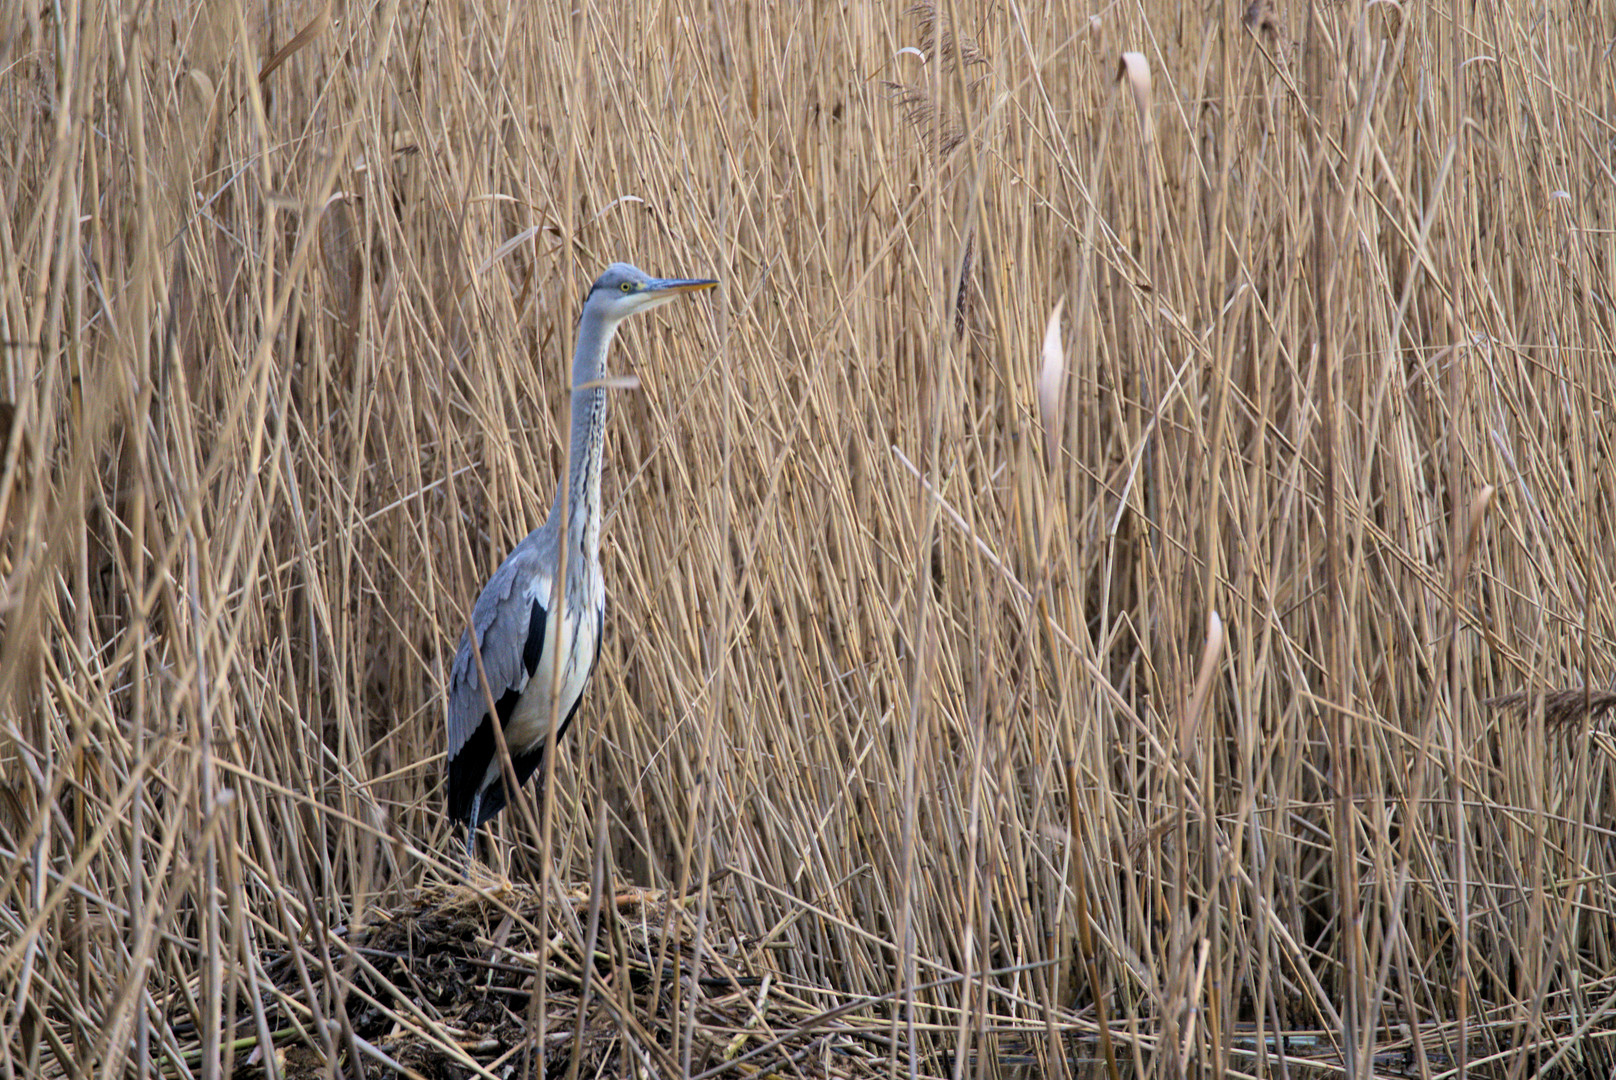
(588, 441)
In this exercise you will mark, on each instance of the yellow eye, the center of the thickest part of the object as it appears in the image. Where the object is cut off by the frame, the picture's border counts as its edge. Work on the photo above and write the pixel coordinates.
(627, 286)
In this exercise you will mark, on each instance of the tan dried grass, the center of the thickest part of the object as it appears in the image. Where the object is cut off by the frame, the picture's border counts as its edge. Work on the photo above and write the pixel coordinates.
(943, 750)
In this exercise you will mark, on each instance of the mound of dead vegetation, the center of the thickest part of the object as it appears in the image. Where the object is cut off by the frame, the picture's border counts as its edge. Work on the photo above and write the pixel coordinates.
(464, 982)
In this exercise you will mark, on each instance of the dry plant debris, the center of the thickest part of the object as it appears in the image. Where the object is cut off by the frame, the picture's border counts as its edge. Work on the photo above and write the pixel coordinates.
(1561, 708)
(447, 984)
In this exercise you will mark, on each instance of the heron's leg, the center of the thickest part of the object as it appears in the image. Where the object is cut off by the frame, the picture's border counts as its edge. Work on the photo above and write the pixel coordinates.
(471, 832)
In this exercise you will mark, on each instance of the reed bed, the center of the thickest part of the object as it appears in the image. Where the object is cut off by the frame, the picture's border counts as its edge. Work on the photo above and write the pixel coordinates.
(1121, 568)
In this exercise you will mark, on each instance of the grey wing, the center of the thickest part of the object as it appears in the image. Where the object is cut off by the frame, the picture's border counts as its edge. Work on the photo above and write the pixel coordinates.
(503, 617)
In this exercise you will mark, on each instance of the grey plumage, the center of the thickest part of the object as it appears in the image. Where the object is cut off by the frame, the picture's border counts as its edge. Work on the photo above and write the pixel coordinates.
(517, 638)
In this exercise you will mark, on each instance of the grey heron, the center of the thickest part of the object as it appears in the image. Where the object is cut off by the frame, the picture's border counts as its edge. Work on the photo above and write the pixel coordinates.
(536, 664)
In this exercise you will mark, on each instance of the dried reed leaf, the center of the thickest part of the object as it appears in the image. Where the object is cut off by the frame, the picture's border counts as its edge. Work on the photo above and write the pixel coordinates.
(1478, 517)
(507, 247)
(1136, 70)
(1051, 382)
(1211, 656)
(311, 30)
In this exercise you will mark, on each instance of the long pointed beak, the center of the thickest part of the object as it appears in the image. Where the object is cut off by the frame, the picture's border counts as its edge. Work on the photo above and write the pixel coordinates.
(675, 286)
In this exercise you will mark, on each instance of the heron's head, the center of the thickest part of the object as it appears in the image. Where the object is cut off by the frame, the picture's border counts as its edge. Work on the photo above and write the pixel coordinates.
(625, 290)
